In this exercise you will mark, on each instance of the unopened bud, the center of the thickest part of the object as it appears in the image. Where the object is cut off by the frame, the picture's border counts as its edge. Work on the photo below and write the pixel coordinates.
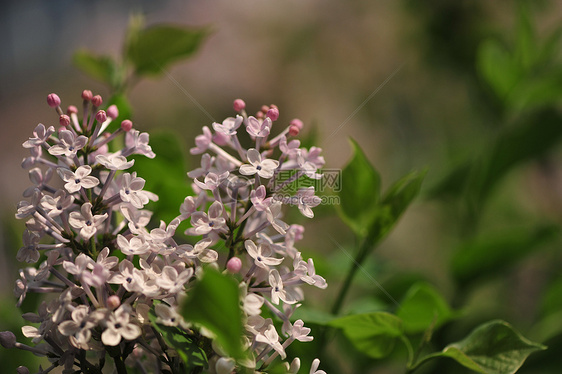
(64, 120)
(7, 339)
(293, 130)
(259, 114)
(264, 108)
(297, 122)
(239, 105)
(87, 95)
(126, 125)
(273, 113)
(97, 100)
(101, 116)
(53, 100)
(22, 370)
(234, 265)
(71, 110)
(112, 112)
(113, 302)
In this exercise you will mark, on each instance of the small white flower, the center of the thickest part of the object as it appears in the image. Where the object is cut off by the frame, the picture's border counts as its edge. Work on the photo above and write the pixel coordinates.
(86, 222)
(278, 292)
(80, 178)
(205, 223)
(135, 246)
(69, 144)
(118, 325)
(79, 327)
(258, 128)
(172, 281)
(229, 125)
(55, 205)
(261, 255)
(114, 161)
(314, 367)
(271, 338)
(40, 136)
(273, 214)
(264, 168)
(307, 200)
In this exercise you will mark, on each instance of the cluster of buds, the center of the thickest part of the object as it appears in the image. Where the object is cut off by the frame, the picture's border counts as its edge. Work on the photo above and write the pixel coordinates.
(105, 272)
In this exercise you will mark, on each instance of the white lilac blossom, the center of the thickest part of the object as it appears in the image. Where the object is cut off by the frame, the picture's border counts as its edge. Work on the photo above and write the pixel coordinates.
(112, 280)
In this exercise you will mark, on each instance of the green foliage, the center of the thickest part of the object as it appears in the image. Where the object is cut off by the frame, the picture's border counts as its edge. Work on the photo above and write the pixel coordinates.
(165, 175)
(360, 193)
(492, 348)
(492, 253)
(422, 308)
(374, 334)
(101, 68)
(185, 345)
(213, 303)
(151, 50)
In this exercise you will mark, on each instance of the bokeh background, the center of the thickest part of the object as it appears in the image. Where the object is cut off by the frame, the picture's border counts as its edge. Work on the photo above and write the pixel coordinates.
(410, 81)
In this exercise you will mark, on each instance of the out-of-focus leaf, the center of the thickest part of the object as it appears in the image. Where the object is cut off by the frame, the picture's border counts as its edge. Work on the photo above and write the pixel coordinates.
(314, 316)
(528, 139)
(214, 304)
(360, 192)
(151, 50)
(102, 68)
(187, 348)
(539, 91)
(491, 254)
(165, 174)
(492, 348)
(374, 334)
(526, 47)
(496, 65)
(423, 307)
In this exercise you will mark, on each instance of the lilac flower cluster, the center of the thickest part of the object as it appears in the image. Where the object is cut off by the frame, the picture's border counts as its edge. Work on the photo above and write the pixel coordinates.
(107, 272)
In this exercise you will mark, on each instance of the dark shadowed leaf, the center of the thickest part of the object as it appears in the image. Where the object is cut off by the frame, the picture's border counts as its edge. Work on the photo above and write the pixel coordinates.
(491, 254)
(186, 346)
(492, 348)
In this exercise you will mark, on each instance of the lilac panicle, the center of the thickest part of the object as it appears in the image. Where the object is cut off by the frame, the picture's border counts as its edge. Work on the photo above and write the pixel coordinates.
(104, 268)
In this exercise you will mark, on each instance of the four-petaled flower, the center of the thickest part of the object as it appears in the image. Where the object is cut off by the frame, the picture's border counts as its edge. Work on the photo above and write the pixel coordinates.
(85, 221)
(264, 168)
(68, 144)
(119, 325)
(258, 128)
(79, 179)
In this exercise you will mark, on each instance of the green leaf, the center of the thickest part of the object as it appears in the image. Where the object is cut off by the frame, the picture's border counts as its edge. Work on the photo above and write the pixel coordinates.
(400, 195)
(214, 304)
(492, 253)
(498, 68)
(151, 50)
(492, 348)
(360, 192)
(374, 334)
(165, 174)
(423, 307)
(102, 68)
(526, 47)
(187, 348)
(312, 316)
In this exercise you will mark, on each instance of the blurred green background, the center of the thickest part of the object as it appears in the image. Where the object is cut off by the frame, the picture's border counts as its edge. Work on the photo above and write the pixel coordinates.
(472, 90)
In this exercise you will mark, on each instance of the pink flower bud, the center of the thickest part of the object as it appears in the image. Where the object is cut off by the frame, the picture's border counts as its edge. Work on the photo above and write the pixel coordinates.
(234, 265)
(239, 105)
(112, 112)
(293, 130)
(297, 122)
(101, 116)
(97, 100)
(64, 120)
(7, 339)
(259, 114)
(71, 109)
(53, 100)
(273, 113)
(126, 125)
(113, 302)
(264, 108)
(87, 95)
